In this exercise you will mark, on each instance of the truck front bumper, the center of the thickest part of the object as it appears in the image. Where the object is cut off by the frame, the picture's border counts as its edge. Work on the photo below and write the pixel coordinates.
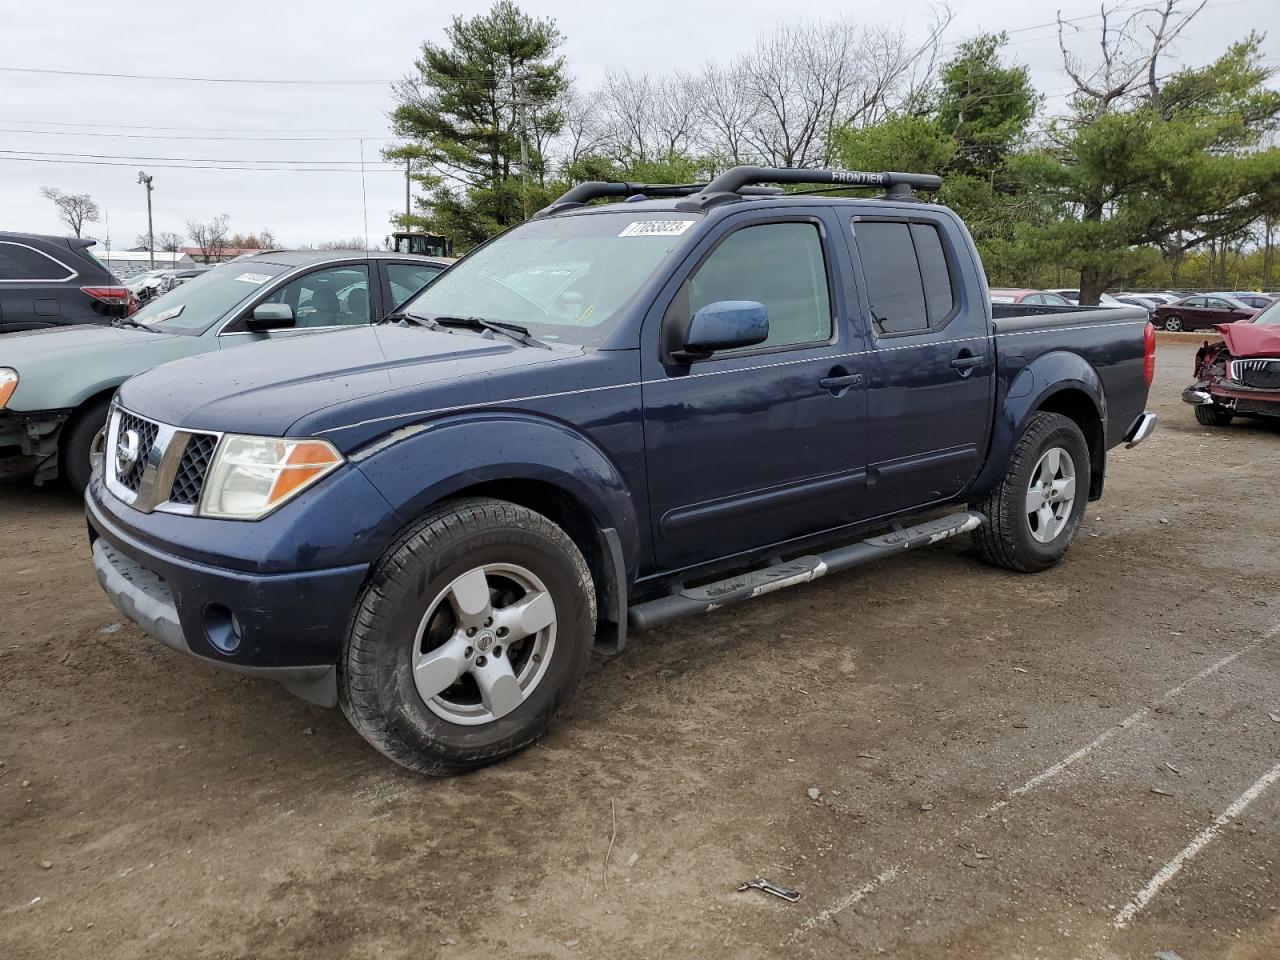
(287, 627)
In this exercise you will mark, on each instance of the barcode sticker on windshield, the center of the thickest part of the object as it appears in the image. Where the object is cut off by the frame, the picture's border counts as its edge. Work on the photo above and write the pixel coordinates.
(254, 277)
(656, 228)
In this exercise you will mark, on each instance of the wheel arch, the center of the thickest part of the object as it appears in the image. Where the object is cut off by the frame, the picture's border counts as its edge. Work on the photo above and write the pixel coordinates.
(1078, 406)
(539, 464)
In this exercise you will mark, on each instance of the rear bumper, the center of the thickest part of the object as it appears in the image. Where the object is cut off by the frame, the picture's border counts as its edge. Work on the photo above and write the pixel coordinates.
(287, 627)
(1139, 430)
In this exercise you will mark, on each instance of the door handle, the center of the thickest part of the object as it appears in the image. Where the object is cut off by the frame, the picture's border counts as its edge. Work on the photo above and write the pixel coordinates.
(966, 362)
(839, 380)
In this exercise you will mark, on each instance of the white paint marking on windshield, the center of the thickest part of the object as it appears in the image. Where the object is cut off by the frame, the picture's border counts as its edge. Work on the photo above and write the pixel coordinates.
(656, 228)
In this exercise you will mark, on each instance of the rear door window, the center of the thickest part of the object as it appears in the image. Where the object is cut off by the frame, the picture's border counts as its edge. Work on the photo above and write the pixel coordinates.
(406, 279)
(907, 275)
(21, 262)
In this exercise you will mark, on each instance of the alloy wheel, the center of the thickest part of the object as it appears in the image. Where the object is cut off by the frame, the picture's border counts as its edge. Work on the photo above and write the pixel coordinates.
(1051, 494)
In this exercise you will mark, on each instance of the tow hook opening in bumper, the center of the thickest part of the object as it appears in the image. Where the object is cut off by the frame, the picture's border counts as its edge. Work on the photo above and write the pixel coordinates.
(1140, 430)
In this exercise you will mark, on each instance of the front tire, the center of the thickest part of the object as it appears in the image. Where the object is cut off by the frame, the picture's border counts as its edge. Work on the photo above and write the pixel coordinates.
(1037, 509)
(1212, 415)
(473, 629)
(76, 450)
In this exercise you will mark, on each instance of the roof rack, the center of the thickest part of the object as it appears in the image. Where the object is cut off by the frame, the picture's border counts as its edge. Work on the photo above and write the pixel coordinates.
(736, 181)
(584, 193)
(744, 181)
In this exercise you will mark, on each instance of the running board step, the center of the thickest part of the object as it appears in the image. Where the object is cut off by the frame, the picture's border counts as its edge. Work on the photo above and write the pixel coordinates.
(746, 586)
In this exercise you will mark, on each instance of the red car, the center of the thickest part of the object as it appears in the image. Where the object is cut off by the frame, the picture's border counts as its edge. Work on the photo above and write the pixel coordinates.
(1201, 311)
(1241, 375)
(1042, 297)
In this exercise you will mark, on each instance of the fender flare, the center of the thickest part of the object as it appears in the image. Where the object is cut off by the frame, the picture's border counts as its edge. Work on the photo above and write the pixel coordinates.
(417, 466)
(1034, 386)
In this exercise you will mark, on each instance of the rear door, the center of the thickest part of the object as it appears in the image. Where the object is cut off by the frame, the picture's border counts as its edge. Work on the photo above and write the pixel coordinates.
(757, 445)
(33, 287)
(930, 369)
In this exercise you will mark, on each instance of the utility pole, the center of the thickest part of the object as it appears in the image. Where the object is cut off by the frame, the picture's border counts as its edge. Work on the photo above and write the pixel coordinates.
(151, 235)
(524, 147)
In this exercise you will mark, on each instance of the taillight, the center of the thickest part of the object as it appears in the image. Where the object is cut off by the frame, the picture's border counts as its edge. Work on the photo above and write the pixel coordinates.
(1149, 353)
(112, 296)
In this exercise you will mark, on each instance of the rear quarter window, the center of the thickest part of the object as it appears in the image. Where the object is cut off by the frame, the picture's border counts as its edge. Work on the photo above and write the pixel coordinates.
(21, 262)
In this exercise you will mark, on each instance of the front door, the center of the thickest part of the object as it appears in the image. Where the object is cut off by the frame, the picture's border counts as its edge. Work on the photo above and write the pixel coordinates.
(754, 446)
(929, 390)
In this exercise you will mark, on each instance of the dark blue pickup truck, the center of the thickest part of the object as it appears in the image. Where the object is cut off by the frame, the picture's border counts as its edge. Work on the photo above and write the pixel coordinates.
(609, 416)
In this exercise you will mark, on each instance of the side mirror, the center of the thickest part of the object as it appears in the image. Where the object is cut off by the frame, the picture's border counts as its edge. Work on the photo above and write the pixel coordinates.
(270, 316)
(724, 325)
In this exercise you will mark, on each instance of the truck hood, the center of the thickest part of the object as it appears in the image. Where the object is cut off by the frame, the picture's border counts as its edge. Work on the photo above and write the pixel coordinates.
(267, 388)
(1251, 340)
(60, 367)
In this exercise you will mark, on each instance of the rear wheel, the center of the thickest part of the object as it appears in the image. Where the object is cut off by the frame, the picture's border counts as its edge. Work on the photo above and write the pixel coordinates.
(473, 629)
(1036, 511)
(1173, 324)
(1212, 415)
(75, 456)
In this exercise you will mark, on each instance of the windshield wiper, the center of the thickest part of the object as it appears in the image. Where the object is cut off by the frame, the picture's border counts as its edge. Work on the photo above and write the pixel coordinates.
(121, 322)
(513, 330)
(415, 319)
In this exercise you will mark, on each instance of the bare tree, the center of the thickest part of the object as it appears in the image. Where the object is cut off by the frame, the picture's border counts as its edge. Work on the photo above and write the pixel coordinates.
(1127, 62)
(729, 109)
(210, 237)
(168, 241)
(268, 239)
(74, 209)
(582, 133)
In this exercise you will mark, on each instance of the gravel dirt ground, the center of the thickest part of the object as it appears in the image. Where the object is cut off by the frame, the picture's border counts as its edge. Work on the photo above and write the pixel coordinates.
(1007, 764)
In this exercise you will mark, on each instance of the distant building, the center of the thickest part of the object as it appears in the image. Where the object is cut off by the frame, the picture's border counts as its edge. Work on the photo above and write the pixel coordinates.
(228, 253)
(125, 263)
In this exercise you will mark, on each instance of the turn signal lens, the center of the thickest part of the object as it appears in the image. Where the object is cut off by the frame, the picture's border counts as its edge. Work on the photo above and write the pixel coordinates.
(8, 384)
(252, 476)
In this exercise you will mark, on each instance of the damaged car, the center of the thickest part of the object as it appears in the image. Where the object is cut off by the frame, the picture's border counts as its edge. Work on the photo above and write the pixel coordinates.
(1240, 375)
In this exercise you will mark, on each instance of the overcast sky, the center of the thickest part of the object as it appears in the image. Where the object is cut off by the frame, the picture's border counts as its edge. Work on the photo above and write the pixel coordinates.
(331, 41)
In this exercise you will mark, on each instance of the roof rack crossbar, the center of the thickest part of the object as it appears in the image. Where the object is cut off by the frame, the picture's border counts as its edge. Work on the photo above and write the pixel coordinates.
(736, 178)
(584, 193)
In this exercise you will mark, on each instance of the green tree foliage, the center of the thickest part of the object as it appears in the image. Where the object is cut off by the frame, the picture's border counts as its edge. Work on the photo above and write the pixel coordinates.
(462, 115)
(1171, 165)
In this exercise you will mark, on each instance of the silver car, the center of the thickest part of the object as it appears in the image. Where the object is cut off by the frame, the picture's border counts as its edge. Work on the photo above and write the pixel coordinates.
(56, 385)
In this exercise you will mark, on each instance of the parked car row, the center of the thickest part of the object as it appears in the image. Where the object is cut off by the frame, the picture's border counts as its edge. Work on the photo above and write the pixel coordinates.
(150, 284)
(1166, 310)
(60, 381)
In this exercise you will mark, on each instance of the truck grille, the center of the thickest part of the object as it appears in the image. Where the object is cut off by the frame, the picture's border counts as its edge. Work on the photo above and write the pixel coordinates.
(188, 482)
(1261, 374)
(129, 472)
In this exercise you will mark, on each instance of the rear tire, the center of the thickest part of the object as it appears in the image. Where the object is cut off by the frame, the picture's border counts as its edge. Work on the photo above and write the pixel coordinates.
(1050, 471)
(76, 448)
(444, 612)
(1173, 324)
(1212, 415)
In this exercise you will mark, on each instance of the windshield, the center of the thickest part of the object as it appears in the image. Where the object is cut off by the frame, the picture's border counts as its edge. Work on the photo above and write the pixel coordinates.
(1270, 317)
(194, 306)
(567, 279)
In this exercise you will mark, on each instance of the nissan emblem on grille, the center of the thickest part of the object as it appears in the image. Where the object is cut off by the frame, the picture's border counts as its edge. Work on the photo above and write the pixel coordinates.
(127, 451)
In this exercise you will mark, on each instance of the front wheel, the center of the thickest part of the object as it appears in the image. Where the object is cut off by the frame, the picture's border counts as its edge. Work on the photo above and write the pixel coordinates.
(75, 454)
(1036, 511)
(1173, 324)
(1212, 415)
(473, 629)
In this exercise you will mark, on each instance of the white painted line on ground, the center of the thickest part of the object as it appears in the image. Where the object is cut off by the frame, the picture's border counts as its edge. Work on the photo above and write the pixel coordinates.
(1174, 866)
(891, 873)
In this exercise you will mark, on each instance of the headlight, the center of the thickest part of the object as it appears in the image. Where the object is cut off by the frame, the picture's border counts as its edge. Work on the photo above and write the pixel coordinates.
(8, 384)
(251, 476)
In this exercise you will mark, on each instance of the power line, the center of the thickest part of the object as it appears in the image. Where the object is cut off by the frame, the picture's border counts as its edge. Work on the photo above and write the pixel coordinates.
(118, 156)
(197, 166)
(140, 76)
(150, 136)
(137, 126)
